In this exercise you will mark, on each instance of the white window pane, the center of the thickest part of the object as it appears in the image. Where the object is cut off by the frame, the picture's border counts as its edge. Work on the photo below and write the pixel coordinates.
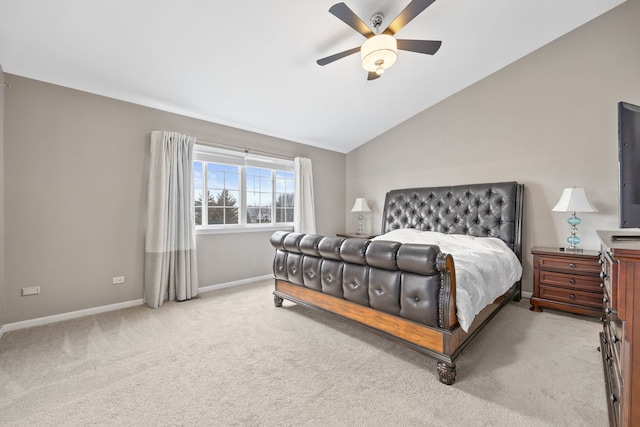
(265, 183)
(215, 179)
(232, 181)
(232, 198)
(253, 199)
(290, 186)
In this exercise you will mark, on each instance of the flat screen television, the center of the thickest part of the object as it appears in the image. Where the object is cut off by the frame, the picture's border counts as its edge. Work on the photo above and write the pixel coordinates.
(629, 164)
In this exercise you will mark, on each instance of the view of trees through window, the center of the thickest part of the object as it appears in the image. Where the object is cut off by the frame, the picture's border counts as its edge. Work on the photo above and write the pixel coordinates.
(268, 195)
(222, 208)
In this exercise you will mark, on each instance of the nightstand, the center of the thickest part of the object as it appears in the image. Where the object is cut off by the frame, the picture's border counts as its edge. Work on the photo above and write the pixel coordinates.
(567, 281)
(362, 236)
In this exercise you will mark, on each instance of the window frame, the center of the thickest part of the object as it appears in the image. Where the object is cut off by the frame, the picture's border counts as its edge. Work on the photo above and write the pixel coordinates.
(212, 155)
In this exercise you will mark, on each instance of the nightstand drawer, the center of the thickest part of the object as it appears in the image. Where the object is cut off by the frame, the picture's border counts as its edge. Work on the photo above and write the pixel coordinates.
(573, 281)
(571, 296)
(569, 264)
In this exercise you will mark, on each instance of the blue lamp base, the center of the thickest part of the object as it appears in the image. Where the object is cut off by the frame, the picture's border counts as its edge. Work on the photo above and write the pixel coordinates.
(573, 239)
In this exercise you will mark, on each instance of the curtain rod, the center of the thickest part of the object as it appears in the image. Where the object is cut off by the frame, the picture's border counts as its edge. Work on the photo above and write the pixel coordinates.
(244, 149)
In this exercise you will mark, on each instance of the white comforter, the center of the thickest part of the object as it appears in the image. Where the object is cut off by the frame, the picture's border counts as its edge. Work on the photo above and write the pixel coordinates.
(485, 267)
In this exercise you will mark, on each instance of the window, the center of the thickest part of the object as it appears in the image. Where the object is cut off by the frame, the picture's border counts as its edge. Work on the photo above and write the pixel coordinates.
(235, 190)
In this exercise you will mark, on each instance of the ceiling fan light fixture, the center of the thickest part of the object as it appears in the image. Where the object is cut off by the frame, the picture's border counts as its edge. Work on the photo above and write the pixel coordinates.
(379, 53)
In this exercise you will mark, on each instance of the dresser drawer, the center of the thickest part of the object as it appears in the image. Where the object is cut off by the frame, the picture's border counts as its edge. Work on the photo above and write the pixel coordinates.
(571, 296)
(573, 281)
(612, 340)
(612, 382)
(569, 264)
(612, 326)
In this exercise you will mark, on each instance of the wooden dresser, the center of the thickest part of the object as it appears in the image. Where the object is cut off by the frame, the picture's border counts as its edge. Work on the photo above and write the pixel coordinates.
(568, 281)
(620, 339)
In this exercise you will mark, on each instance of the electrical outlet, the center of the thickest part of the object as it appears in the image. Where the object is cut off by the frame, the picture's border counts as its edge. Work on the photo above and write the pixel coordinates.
(118, 280)
(34, 290)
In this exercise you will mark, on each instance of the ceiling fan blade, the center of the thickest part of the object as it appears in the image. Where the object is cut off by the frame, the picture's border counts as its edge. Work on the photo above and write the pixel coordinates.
(346, 15)
(336, 56)
(372, 75)
(412, 10)
(421, 46)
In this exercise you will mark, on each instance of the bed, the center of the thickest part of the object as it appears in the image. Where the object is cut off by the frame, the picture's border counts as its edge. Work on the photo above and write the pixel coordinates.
(424, 282)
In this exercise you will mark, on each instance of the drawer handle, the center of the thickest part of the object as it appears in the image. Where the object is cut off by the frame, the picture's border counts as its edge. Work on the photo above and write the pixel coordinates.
(572, 281)
(572, 265)
(615, 339)
(572, 296)
(609, 311)
(613, 398)
(603, 275)
(605, 300)
(601, 284)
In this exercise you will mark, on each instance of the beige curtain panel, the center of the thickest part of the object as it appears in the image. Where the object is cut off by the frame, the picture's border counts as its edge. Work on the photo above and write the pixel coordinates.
(170, 249)
(304, 213)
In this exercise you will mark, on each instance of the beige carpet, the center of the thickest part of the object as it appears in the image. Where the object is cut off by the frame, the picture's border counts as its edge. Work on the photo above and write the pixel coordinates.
(232, 359)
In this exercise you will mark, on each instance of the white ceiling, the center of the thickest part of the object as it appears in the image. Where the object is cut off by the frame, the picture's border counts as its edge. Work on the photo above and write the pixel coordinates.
(251, 64)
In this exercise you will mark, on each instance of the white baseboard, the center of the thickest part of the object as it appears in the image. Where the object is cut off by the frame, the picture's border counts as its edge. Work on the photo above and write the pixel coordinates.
(111, 307)
(526, 295)
(70, 315)
(234, 283)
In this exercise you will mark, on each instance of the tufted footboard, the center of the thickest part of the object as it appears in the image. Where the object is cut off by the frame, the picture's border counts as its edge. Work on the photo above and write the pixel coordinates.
(409, 281)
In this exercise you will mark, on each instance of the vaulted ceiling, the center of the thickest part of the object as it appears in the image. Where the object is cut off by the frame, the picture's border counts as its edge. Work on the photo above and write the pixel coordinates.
(252, 64)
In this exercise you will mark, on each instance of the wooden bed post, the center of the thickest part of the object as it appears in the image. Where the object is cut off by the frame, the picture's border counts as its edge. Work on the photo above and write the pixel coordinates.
(448, 316)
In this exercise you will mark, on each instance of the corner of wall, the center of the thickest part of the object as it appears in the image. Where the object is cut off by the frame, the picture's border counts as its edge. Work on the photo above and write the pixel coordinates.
(2, 284)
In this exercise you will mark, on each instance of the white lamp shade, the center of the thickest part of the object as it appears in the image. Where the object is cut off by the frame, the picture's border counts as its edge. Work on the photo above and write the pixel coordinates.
(574, 200)
(360, 205)
(379, 51)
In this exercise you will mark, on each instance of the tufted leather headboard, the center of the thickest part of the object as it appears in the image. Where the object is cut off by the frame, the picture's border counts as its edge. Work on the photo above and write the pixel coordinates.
(481, 210)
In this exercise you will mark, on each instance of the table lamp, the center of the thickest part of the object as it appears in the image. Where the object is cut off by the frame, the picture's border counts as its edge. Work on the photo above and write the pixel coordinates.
(574, 200)
(360, 206)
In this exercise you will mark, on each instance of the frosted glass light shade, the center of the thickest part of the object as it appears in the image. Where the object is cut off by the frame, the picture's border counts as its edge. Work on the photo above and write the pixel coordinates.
(379, 51)
(360, 205)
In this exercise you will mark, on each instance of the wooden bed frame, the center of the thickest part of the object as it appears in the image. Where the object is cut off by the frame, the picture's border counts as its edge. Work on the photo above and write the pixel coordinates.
(493, 209)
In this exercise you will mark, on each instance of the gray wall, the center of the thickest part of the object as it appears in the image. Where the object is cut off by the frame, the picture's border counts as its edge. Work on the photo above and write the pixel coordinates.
(549, 120)
(76, 169)
(2, 285)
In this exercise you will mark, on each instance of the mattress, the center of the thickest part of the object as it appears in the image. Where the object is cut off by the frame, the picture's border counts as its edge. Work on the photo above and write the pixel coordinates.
(485, 267)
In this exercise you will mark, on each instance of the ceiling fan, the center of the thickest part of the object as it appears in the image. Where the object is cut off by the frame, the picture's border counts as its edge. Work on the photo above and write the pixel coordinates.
(380, 50)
